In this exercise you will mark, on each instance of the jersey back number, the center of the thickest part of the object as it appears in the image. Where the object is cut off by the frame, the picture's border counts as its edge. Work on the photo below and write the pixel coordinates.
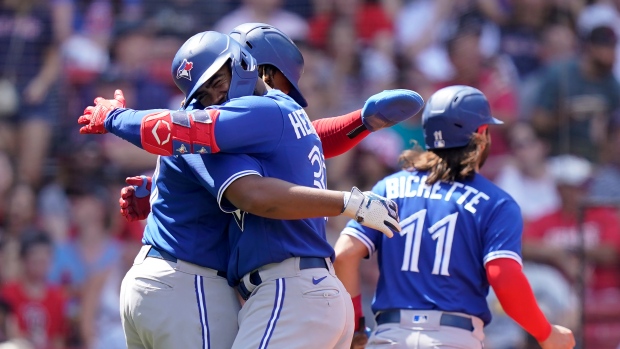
(442, 233)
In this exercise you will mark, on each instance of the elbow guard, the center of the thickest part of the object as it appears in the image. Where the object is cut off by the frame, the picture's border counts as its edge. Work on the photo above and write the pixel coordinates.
(179, 132)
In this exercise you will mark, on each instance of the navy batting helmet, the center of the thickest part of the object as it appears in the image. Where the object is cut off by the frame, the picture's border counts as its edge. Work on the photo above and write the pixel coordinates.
(453, 114)
(202, 55)
(269, 45)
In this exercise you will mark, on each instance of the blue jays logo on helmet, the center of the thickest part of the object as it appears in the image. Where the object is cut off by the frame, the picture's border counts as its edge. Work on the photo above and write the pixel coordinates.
(202, 55)
(269, 45)
(453, 114)
(184, 70)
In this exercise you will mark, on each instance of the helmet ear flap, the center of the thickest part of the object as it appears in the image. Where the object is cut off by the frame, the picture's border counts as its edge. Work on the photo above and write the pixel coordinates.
(245, 62)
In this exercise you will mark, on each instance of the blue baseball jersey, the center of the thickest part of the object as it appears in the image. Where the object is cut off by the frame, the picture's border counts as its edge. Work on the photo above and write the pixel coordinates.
(282, 142)
(449, 232)
(290, 150)
(185, 219)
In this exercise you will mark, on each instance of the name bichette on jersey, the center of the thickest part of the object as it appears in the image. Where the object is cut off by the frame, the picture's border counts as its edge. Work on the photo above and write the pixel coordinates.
(414, 185)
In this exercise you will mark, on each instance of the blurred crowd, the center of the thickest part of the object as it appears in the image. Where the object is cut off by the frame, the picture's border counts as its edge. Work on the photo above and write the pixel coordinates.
(548, 67)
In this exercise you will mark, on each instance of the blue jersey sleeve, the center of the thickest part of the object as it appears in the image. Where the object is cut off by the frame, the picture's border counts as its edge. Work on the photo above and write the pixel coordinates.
(212, 171)
(249, 125)
(126, 123)
(224, 169)
(502, 237)
(371, 238)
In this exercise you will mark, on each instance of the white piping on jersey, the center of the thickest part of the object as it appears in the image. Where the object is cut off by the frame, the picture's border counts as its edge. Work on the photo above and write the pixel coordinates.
(502, 254)
(228, 182)
(361, 237)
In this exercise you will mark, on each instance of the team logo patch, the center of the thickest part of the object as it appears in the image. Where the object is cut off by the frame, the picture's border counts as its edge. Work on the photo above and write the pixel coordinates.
(184, 70)
(239, 217)
(182, 149)
(420, 319)
(439, 142)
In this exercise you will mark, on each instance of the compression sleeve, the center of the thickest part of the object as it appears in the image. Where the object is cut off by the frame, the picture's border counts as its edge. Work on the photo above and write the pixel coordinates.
(516, 297)
(341, 133)
(357, 311)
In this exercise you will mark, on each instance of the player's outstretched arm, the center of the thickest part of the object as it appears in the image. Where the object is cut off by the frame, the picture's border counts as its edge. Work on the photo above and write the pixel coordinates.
(230, 128)
(517, 299)
(167, 132)
(341, 133)
(277, 199)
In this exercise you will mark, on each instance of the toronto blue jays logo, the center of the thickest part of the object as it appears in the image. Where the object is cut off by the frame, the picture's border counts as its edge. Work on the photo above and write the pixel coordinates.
(184, 70)
(239, 217)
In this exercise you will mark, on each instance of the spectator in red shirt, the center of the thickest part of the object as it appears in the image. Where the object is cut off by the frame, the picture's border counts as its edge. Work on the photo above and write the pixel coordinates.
(372, 22)
(555, 238)
(38, 306)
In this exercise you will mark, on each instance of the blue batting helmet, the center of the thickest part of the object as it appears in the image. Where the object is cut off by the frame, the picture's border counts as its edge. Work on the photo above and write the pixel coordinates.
(269, 45)
(453, 114)
(202, 55)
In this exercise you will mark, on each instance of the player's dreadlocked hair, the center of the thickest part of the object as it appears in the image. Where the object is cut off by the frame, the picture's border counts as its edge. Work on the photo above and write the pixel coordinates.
(267, 70)
(446, 165)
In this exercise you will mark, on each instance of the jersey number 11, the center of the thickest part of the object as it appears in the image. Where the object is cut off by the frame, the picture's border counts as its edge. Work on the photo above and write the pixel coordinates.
(442, 232)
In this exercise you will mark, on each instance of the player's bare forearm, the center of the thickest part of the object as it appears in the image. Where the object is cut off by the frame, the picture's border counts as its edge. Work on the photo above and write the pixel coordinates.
(349, 253)
(277, 199)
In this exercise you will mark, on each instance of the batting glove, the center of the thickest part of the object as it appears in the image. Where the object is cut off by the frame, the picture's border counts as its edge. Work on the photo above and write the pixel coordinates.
(390, 107)
(94, 116)
(134, 201)
(372, 210)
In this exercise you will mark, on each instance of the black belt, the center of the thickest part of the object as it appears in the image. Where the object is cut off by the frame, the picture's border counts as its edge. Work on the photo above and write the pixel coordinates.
(161, 254)
(393, 316)
(304, 263)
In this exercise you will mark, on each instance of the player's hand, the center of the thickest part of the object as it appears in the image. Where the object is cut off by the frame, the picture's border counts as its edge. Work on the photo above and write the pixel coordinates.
(560, 338)
(372, 210)
(134, 201)
(361, 334)
(94, 116)
(360, 339)
(390, 107)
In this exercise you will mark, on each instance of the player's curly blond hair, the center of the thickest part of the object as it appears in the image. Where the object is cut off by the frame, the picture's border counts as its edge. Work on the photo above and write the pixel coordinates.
(446, 165)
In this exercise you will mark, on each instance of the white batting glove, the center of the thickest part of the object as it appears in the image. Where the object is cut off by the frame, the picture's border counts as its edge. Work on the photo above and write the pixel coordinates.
(372, 210)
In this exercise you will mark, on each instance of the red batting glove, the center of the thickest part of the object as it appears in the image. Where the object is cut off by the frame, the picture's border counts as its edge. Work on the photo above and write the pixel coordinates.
(134, 201)
(94, 116)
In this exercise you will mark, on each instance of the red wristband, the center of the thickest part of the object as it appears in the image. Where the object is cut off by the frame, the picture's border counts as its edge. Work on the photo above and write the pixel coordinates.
(357, 310)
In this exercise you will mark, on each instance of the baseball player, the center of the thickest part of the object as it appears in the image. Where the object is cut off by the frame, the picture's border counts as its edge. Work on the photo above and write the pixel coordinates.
(186, 227)
(460, 234)
(281, 65)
